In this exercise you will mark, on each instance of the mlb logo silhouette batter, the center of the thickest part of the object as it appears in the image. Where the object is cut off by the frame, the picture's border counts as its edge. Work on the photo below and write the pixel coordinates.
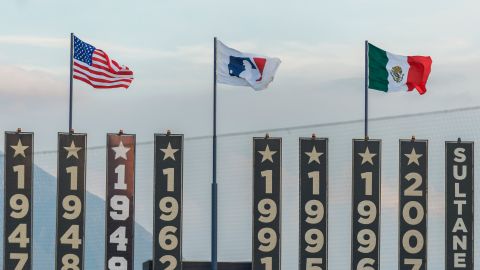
(244, 67)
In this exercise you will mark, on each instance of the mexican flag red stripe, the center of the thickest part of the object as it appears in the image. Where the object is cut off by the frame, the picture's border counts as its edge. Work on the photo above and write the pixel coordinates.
(389, 72)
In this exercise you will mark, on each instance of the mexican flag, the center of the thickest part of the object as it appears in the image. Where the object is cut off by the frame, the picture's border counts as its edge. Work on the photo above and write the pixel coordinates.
(389, 72)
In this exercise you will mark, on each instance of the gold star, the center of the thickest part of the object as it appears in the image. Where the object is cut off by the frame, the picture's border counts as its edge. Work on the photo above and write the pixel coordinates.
(413, 157)
(19, 149)
(169, 152)
(314, 156)
(121, 151)
(267, 154)
(72, 150)
(367, 156)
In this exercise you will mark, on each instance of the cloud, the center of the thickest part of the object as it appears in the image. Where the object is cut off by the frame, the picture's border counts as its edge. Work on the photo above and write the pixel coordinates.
(319, 60)
(20, 82)
(335, 67)
(197, 53)
(49, 42)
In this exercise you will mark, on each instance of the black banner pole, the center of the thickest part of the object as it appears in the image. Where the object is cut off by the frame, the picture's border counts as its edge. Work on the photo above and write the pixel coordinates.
(267, 203)
(70, 214)
(366, 88)
(19, 203)
(366, 204)
(313, 186)
(214, 165)
(168, 201)
(459, 205)
(71, 83)
(413, 204)
(120, 201)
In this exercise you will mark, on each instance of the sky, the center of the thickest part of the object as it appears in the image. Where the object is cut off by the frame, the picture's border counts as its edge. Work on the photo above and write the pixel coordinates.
(169, 46)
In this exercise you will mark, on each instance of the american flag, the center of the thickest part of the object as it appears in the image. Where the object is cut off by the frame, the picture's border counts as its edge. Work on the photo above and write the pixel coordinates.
(93, 66)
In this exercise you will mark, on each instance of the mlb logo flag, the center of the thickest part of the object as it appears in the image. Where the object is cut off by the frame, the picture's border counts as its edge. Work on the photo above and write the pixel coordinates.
(243, 69)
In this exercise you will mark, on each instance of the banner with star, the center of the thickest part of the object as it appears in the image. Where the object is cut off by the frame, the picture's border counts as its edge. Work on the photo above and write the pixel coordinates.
(313, 203)
(267, 190)
(167, 222)
(120, 201)
(18, 188)
(70, 234)
(366, 177)
(413, 204)
(459, 202)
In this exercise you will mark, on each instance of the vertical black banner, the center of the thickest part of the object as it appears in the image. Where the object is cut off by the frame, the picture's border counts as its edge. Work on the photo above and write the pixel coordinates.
(167, 242)
(366, 204)
(120, 201)
(459, 192)
(18, 216)
(413, 204)
(267, 186)
(313, 204)
(70, 240)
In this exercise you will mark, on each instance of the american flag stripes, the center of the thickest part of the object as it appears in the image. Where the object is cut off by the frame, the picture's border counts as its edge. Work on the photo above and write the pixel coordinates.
(94, 67)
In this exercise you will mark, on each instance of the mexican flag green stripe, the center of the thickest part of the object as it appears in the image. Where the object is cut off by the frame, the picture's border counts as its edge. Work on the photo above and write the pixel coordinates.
(389, 72)
(378, 74)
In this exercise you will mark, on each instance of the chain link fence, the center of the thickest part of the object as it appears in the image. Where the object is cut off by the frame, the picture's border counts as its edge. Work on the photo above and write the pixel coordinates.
(235, 191)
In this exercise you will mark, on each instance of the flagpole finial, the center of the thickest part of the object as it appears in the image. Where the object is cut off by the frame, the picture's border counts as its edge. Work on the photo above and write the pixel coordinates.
(267, 136)
(19, 130)
(314, 136)
(459, 140)
(413, 138)
(120, 132)
(169, 132)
